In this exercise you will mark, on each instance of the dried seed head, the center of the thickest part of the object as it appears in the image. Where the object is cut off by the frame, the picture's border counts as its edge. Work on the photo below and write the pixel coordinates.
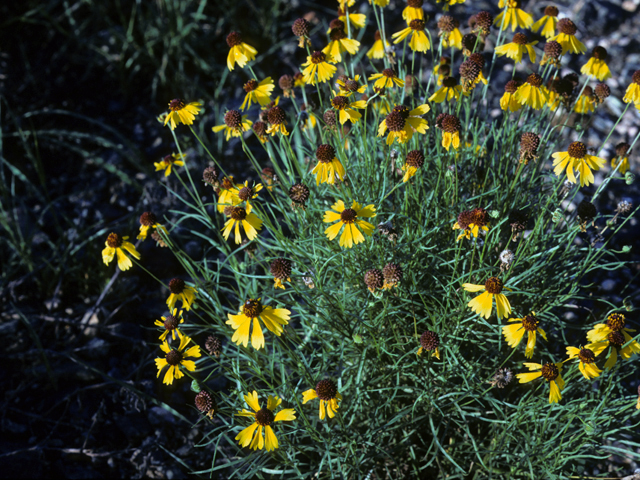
(395, 121)
(260, 128)
(469, 42)
(483, 23)
(469, 71)
(329, 117)
(373, 279)
(451, 124)
(624, 206)
(566, 26)
(276, 116)
(577, 150)
(551, 11)
(326, 390)
(285, 82)
(493, 285)
(529, 143)
(392, 273)
(265, 417)
(148, 219)
(622, 149)
(429, 340)
(156, 236)
(203, 402)
(447, 23)
(213, 345)
(518, 220)
(512, 86)
(233, 39)
(415, 158)
(299, 194)
(534, 80)
(210, 176)
(280, 268)
(416, 24)
(530, 323)
(550, 371)
(176, 285)
(507, 256)
(602, 91)
(616, 322)
(301, 27)
(233, 119)
(616, 338)
(318, 57)
(325, 153)
(477, 58)
(586, 211)
(501, 378)
(553, 49)
(520, 39)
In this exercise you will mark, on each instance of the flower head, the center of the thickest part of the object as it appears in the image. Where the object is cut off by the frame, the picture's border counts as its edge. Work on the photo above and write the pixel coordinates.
(392, 274)
(547, 22)
(148, 220)
(180, 291)
(621, 157)
(277, 119)
(115, 245)
(254, 311)
(176, 358)
(169, 161)
(402, 123)
(513, 15)
(586, 102)
(180, 112)
(235, 124)
(633, 90)
(328, 167)
(550, 372)
(378, 48)
(567, 37)
(508, 100)
(576, 157)
(339, 43)
(587, 357)
(450, 32)
(347, 109)
(264, 418)
(386, 79)
(483, 303)
(350, 219)
(596, 66)
(532, 92)
(258, 92)
(239, 52)
(327, 392)
(449, 89)
(374, 279)
(451, 126)
(170, 324)
(241, 216)
(517, 48)
(348, 86)
(280, 268)
(413, 10)
(471, 222)
(419, 41)
(413, 162)
(615, 334)
(514, 333)
(429, 341)
(318, 63)
(552, 53)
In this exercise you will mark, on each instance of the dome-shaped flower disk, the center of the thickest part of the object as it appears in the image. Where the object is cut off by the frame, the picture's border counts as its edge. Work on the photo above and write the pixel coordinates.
(327, 392)
(253, 311)
(181, 112)
(350, 218)
(115, 245)
(550, 372)
(318, 63)
(176, 358)
(483, 303)
(577, 158)
(514, 333)
(239, 52)
(264, 418)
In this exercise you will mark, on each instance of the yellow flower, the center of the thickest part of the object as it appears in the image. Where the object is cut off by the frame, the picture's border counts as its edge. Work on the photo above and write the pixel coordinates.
(613, 333)
(180, 291)
(380, 3)
(450, 89)
(235, 124)
(176, 358)
(346, 109)
(587, 357)
(471, 222)
(517, 48)
(254, 310)
(430, 341)
(115, 245)
(508, 100)
(277, 121)
(181, 112)
(317, 62)
(226, 197)
(328, 166)
(448, 3)
(170, 325)
(148, 220)
(414, 161)
(239, 52)
(264, 418)
(586, 102)
(450, 125)
(419, 41)
(547, 22)
(453, 38)
(241, 216)
(413, 10)
(513, 16)
(532, 92)
(567, 37)
(327, 392)
(576, 157)
(483, 303)
(596, 66)
(514, 333)
(358, 20)
(379, 46)
(257, 92)
(402, 123)
(633, 90)
(350, 218)
(551, 373)
(348, 86)
(280, 268)
(387, 79)
(621, 157)
(243, 192)
(169, 161)
(339, 44)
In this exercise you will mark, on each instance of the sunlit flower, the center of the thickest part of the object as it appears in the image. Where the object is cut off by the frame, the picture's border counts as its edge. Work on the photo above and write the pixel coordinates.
(483, 303)
(347, 109)
(596, 66)
(348, 86)
(340, 43)
(616, 339)
(514, 333)
(239, 52)
(547, 22)
(235, 124)
(115, 245)
(413, 10)
(328, 167)
(402, 123)
(387, 79)
(170, 324)
(241, 216)
(633, 90)
(508, 100)
(358, 20)
(450, 89)
(586, 102)
(532, 92)
(168, 162)
(327, 392)
(257, 92)
(622, 150)
(550, 372)
(517, 48)
(180, 291)
(567, 37)
(226, 197)
(419, 41)
(243, 192)
(277, 119)
(450, 32)
(254, 311)
(379, 46)
(552, 53)
(414, 161)
(587, 357)
(264, 418)
(448, 3)
(471, 222)
(350, 219)
(317, 62)
(176, 358)
(430, 341)
(451, 126)
(513, 16)
(576, 157)
(280, 268)
(148, 220)
(180, 112)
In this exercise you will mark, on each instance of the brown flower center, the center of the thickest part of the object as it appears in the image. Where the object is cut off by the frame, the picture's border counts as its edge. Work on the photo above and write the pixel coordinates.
(148, 219)
(577, 150)
(530, 323)
(114, 240)
(451, 124)
(250, 85)
(245, 193)
(550, 371)
(171, 323)
(233, 119)
(567, 27)
(389, 72)
(553, 49)
(233, 39)
(351, 85)
(616, 339)
(635, 78)
(616, 321)
(395, 121)
(449, 82)
(600, 53)
(520, 39)
(429, 340)
(586, 356)
(339, 102)
(252, 308)
(534, 80)
(325, 153)
(493, 285)
(238, 214)
(276, 115)
(264, 417)
(415, 159)
(326, 390)
(348, 215)
(174, 357)
(551, 11)
(318, 57)
(416, 24)
(176, 285)
(176, 104)
(337, 34)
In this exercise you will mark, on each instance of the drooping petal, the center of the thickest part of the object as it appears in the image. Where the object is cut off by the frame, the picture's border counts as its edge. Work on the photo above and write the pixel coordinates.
(245, 436)
(271, 439)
